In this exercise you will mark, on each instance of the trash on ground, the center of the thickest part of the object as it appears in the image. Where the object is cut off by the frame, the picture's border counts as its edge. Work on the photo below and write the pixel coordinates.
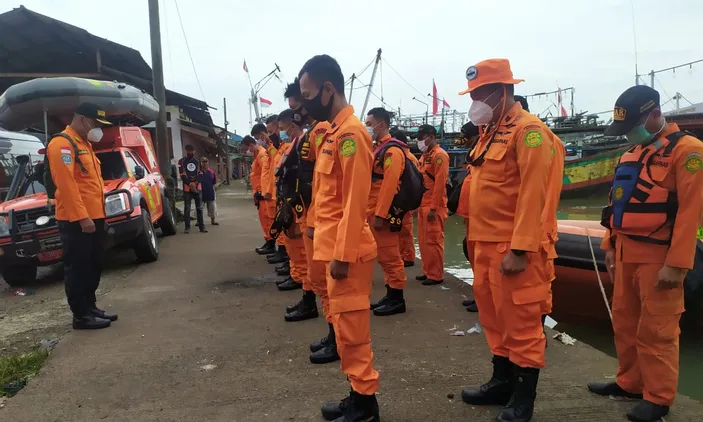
(565, 339)
(444, 288)
(450, 396)
(48, 344)
(454, 328)
(550, 322)
(457, 333)
(476, 329)
(208, 367)
(22, 292)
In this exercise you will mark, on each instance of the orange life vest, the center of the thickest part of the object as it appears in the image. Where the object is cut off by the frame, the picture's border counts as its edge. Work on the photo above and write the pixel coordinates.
(639, 207)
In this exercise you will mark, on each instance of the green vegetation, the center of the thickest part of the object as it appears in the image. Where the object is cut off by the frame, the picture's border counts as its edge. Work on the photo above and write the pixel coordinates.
(16, 370)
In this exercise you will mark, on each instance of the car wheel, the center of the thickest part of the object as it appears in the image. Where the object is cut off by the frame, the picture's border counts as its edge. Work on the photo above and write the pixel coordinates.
(167, 222)
(146, 247)
(20, 275)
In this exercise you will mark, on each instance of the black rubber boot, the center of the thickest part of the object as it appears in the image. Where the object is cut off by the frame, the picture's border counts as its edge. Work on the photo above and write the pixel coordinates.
(267, 248)
(279, 257)
(407, 264)
(289, 285)
(612, 389)
(354, 408)
(306, 310)
(394, 304)
(421, 278)
(328, 353)
(291, 308)
(324, 341)
(497, 390)
(646, 411)
(430, 282)
(472, 307)
(283, 269)
(383, 300)
(522, 402)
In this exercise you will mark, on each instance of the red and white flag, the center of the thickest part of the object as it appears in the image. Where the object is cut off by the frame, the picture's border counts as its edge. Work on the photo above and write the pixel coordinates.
(562, 110)
(445, 104)
(435, 102)
(246, 69)
(264, 102)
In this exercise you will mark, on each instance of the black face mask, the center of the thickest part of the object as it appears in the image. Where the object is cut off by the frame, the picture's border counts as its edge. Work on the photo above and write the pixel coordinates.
(315, 108)
(190, 154)
(300, 118)
(275, 139)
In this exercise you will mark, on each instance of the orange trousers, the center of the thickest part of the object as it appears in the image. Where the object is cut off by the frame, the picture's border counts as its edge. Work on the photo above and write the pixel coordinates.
(510, 306)
(265, 217)
(430, 236)
(407, 239)
(351, 318)
(551, 277)
(317, 278)
(298, 258)
(388, 246)
(646, 326)
(470, 245)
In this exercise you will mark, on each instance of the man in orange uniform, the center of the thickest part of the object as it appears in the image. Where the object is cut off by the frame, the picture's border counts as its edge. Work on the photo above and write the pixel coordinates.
(80, 212)
(267, 202)
(653, 216)
(434, 165)
(510, 169)
(342, 235)
(274, 139)
(388, 167)
(259, 156)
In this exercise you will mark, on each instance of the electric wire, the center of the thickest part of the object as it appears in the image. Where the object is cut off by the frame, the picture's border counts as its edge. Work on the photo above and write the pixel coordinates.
(188, 48)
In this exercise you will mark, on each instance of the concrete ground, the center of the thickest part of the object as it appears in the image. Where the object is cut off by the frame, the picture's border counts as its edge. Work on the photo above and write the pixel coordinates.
(201, 337)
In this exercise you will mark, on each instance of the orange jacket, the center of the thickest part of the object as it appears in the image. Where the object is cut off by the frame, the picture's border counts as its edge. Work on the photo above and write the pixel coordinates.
(435, 163)
(343, 170)
(268, 184)
(549, 213)
(79, 195)
(257, 163)
(463, 208)
(508, 190)
(318, 135)
(391, 166)
(683, 176)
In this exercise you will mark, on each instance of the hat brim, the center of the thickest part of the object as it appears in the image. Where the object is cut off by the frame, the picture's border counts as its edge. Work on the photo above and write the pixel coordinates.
(506, 82)
(103, 122)
(619, 128)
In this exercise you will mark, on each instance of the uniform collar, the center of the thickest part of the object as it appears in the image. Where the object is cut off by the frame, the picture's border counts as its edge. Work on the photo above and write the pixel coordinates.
(341, 117)
(73, 134)
(385, 139)
(668, 130)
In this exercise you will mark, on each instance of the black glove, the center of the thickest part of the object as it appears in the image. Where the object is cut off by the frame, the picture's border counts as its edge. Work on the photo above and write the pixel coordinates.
(258, 196)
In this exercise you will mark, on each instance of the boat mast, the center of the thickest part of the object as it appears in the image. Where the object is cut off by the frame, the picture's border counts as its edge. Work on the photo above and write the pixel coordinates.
(373, 77)
(351, 87)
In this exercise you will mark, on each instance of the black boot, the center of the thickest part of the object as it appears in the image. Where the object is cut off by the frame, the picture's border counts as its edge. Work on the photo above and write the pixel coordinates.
(612, 389)
(267, 248)
(472, 307)
(646, 411)
(522, 402)
(496, 391)
(407, 264)
(289, 285)
(383, 300)
(306, 309)
(283, 269)
(90, 322)
(324, 341)
(431, 282)
(96, 312)
(394, 304)
(328, 353)
(421, 277)
(291, 308)
(354, 408)
(280, 257)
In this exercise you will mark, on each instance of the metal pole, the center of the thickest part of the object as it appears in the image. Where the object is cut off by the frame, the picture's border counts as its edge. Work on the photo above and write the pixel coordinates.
(162, 149)
(651, 75)
(228, 163)
(255, 103)
(351, 87)
(373, 77)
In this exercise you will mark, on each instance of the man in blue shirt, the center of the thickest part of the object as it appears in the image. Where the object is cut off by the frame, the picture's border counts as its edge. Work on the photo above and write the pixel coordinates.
(208, 180)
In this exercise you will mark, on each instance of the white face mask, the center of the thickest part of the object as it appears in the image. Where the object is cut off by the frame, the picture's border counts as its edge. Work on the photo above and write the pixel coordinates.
(95, 134)
(261, 143)
(422, 145)
(481, 113)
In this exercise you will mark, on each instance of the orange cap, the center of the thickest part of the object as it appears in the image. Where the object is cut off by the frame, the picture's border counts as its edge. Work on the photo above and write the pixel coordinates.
(491, 71)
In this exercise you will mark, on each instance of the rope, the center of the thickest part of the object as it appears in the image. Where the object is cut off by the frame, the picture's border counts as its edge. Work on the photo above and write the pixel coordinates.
(600, 282)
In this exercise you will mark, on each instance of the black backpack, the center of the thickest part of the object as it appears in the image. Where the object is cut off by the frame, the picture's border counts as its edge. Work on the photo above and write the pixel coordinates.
(412, 185)
(49, 184)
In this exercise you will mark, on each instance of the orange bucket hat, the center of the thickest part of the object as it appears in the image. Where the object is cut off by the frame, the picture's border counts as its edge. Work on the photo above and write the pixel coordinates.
(491, 71)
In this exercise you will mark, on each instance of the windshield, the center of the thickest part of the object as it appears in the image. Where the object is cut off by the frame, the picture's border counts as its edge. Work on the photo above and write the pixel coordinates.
(112, 165)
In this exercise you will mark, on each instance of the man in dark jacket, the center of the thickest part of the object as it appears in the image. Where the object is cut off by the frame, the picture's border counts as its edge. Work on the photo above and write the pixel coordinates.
(190, 172)
(208, 180)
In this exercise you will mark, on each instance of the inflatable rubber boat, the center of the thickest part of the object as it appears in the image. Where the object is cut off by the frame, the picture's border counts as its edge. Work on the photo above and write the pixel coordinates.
(576, 293)
(24, 104)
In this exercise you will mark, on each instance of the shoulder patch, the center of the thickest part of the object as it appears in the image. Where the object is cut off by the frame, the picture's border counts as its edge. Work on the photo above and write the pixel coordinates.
(348, 147)
(439, 160)
(319, 138)
(693, 163)
(533, 138)
(82, 152)
(699, 233)
(65, 151)
(387, 162)
(66, 158)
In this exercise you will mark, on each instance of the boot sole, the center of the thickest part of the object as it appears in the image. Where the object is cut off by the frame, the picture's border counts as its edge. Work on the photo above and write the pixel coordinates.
(400, 310)
(322, 361)
(289, 289)
(296, 318)
(97, 327)
(485, 400)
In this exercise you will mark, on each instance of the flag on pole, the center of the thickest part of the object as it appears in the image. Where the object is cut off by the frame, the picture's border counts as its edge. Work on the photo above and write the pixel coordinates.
(264, 102)
(562, 110)
(435, 103)
(246, 69)
(445, 104)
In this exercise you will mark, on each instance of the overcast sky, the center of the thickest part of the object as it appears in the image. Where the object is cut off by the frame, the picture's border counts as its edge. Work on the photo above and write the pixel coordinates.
(587, 45)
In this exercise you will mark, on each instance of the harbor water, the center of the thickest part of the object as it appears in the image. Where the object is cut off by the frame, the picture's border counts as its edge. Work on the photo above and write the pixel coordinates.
(598, 336)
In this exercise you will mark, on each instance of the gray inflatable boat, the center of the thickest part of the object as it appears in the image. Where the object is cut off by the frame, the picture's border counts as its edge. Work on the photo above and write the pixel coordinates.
(23, 105)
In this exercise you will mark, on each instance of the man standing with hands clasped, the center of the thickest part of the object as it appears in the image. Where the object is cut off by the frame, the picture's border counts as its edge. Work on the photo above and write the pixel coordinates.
(80, 211)
(652, 219)
(190, 171)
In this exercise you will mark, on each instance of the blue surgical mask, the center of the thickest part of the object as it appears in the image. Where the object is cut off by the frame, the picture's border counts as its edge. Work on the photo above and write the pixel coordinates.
(370, 129)
(284, 136)
(640, 135)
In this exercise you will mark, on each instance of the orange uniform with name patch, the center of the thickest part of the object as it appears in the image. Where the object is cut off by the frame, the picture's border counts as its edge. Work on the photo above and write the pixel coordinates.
(258, 159)
(434, 166)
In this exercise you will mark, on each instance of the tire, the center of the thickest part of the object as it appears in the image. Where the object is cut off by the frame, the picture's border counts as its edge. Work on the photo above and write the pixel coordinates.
(167, 222)
(20, 275)
(146, 247)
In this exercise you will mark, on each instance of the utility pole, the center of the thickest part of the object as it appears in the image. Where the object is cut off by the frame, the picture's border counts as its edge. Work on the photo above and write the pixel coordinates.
(228, 165)
(373, 77)
(162, 149)
(351, 87)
